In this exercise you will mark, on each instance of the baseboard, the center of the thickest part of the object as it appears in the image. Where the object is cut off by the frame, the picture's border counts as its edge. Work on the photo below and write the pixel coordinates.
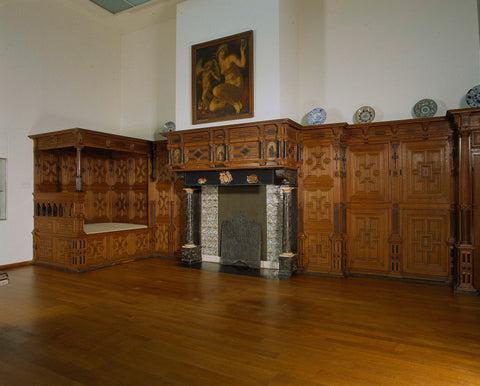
(15, 265)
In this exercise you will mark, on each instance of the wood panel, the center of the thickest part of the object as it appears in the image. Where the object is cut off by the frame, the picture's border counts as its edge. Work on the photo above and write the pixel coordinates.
(361, 188)
(273, 143)
(427, 172)
(426, 252)
(317, 204)
(368, 233)
(167, 199)
(368, 177)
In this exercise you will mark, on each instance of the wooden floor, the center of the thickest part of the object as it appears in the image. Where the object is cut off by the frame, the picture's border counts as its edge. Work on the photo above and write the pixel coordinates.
(153, 322)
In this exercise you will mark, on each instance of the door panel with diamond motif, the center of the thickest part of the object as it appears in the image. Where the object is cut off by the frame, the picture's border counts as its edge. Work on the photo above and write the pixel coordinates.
(318, 202)
(367, 172)
(368, 240)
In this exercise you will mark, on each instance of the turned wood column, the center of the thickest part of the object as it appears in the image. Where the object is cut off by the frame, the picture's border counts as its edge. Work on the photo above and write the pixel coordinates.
(464, 246)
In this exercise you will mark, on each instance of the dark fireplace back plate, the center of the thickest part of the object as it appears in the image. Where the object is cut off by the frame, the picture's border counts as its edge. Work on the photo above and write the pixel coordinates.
(241, 242)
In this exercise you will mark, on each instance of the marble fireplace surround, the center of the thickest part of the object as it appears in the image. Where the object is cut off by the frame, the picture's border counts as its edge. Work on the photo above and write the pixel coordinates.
(280, 205)
(210, 226)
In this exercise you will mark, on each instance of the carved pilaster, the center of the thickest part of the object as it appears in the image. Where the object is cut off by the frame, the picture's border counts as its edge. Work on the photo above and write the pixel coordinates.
(464, 215)
(338, 239)
(78, 179)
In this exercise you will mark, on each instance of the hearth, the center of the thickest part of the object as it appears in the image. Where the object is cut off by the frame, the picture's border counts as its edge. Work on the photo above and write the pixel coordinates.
(242, 224)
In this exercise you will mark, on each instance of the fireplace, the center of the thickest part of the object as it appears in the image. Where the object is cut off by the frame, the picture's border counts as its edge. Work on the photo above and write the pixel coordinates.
(248, 221)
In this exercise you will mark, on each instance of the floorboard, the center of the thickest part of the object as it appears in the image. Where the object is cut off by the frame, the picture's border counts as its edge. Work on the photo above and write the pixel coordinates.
(154, 322)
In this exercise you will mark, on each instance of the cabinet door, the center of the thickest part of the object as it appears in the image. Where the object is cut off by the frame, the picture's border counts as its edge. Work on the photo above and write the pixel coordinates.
(317, 199)
(426, 172)
(368, 232)
(426, 210)
(368, 208)
(426, 253)
(367, 173)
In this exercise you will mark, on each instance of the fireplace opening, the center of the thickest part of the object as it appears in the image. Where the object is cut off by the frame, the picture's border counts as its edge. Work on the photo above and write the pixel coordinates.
(242, 224)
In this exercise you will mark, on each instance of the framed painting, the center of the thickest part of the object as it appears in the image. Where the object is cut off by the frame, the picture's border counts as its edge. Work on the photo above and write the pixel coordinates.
(222, 79)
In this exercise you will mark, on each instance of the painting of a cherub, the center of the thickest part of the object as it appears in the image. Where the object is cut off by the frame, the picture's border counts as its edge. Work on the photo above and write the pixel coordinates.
(222, 79)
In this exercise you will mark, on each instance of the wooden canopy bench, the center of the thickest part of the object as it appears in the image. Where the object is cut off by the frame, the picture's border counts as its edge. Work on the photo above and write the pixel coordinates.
(91, 199)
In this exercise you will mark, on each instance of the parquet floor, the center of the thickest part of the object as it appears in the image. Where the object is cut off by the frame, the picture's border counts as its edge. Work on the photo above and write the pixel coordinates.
(153, 322)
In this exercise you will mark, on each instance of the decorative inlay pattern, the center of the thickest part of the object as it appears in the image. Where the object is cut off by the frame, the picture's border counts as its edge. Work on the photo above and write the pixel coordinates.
(210, 220)
(426, 172)
(426, 240)
(274, 222)
(318, 205)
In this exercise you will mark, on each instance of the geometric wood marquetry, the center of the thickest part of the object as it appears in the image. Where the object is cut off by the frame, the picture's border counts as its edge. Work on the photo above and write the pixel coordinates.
(141, 170)
(96, 249)
(427, 252)
(99, 171)
(368, 172)
(381, 198)
(318, 205)
(121, 171)
(426, 171)
(368, 236)
(120, 245)
(318, 250)
(114, 187)
(318, 161)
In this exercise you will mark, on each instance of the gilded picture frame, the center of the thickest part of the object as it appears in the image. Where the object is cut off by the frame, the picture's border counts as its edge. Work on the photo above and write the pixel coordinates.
(222, 79)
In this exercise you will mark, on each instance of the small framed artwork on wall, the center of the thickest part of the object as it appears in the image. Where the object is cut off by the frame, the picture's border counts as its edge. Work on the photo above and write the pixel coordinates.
(222, 79)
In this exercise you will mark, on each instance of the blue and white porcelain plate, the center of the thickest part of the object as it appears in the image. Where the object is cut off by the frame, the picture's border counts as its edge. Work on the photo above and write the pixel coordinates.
(168, 127)
(425, 108)
(317, 116)
(473, 96)
(365, 114)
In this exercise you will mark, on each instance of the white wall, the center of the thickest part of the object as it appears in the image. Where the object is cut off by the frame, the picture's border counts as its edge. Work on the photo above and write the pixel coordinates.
(200, 21)
(148, 79)
(340, 55)
(58, 70)
(288, 54)
(387, 54)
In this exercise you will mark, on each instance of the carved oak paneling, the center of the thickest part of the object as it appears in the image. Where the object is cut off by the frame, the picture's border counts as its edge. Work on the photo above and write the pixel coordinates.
(317, 246)
(317, 200)
(368, 167)
(368, 233)
(428, 171)
(426, 252)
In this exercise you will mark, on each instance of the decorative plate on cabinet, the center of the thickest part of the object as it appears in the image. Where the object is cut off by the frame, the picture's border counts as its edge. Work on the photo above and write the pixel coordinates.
(473, 96)
(425, 108)
(317, 116)
(169, 126)
(365, 114)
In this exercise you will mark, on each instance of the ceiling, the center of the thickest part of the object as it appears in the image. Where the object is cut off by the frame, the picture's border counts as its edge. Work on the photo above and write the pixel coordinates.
(116, 6)
(139, 15)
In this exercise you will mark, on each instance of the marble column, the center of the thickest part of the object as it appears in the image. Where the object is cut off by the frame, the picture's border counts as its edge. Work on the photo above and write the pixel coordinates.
(287, 260)
(191, 253)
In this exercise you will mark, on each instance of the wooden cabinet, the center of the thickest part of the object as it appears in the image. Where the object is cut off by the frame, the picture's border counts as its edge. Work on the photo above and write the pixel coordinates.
(379, 198)
(268, 144)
